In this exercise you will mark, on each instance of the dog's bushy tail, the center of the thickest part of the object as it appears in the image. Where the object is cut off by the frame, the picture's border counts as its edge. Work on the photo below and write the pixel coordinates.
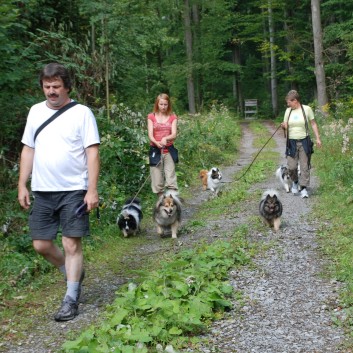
(133, 200)
(270, 192)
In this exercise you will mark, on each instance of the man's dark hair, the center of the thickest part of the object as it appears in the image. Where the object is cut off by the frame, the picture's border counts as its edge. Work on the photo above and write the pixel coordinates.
(53, 70)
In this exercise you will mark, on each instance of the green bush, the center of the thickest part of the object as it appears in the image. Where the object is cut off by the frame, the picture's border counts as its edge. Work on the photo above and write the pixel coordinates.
(333, 165)
(203, 140)
(123, 153)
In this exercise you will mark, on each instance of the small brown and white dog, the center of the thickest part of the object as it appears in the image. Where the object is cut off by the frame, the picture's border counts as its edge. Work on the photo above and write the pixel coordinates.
(283, 175)
(211, 179)
(167, 214)
(271, 209)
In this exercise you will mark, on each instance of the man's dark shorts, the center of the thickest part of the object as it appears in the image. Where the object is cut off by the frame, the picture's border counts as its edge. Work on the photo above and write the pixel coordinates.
(52, 211)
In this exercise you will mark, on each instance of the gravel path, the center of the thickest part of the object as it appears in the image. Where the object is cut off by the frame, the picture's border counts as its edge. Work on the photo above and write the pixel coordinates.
(288, 305)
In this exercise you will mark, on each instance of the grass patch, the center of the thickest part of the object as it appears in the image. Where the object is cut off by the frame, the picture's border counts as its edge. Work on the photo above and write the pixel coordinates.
(333, 166)
(262, 136)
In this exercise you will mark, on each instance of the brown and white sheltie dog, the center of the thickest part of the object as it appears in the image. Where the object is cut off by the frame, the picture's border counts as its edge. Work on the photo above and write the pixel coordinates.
(271, 209)
(167, 214)
(282, 174)
(214, 178)
(211, 179)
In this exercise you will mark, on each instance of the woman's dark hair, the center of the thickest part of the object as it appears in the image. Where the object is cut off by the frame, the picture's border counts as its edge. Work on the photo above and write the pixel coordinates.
(53, 70)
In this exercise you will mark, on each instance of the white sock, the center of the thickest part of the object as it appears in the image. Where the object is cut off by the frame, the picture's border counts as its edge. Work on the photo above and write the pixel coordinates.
(72, 289)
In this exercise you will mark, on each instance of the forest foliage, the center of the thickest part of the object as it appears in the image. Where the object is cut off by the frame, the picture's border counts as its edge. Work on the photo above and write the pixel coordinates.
(128, 51)
(122, 53)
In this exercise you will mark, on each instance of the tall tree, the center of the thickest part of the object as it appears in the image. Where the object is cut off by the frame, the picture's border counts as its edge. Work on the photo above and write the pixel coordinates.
(237, 91)
(274, 94)
(189, 55)
(318, 49)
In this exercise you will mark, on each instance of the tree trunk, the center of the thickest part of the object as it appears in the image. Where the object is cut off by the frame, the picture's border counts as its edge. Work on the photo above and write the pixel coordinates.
(93, 50)
(288, 64)
(196, 54)
(318, 48)
(237, 92)
(188, 43)
(273, 62)
(106, 59)
(265, 56)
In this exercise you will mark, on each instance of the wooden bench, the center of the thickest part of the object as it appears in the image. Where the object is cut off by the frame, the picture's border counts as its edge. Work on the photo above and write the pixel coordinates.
(250, 108)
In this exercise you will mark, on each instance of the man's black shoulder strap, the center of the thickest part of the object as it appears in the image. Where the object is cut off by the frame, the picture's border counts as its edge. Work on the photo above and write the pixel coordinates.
(53, 117)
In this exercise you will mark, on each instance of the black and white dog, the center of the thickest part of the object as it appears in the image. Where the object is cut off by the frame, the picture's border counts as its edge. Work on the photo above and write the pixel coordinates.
(130, 217)
(214, 177)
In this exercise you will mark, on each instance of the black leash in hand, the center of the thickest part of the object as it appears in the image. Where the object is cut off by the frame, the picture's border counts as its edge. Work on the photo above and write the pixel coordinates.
(143, 184)
(247, 169)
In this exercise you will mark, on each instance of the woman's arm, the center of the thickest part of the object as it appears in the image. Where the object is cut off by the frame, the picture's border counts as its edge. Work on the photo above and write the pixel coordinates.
(316, 132)
(284, 124)
(173, 134)
(150, 134)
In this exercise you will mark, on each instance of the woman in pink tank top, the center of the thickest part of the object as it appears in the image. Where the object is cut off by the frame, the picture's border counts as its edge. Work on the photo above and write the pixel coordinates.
(162, 131)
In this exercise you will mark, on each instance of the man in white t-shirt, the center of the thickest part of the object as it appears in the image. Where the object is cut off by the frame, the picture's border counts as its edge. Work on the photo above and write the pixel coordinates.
(63, 163)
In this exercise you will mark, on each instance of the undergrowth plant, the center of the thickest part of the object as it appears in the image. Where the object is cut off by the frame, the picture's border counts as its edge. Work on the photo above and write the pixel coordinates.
(206, 140)
(168, 304)
(333, 165)
(123, 153)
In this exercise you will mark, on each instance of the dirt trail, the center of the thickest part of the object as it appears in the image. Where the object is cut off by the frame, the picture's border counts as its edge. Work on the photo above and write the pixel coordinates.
(288, 305)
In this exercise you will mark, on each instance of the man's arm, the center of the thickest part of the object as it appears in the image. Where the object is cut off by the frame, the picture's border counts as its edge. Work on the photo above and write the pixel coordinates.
(26, 165)
(93, 164)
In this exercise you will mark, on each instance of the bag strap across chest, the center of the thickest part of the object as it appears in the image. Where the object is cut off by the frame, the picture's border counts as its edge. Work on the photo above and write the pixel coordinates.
(53, 117)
